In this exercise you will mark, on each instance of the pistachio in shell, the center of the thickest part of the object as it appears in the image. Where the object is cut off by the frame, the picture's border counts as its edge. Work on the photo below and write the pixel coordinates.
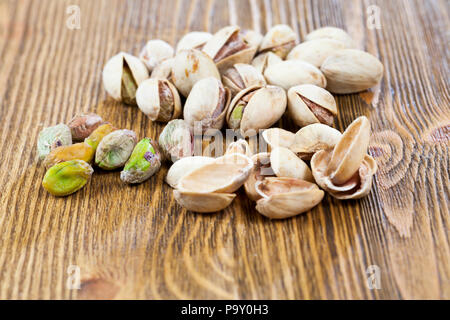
(252, 37)
(163, 70)
(331, 33)
(53, 137)
(315, 51)
(193, 40)
(285, 163)
(280, 39)
(176, 140)
(114, 149)
(154, 52)
(241, 76)
(263, 60)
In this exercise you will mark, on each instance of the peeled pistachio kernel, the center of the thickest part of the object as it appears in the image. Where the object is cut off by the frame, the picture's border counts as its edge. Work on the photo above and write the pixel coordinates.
(82, 125)
(52, 137)
(98, 134)
(77, 151)
(67, 177)
(144, 162)
(176, 140)
(115, 149)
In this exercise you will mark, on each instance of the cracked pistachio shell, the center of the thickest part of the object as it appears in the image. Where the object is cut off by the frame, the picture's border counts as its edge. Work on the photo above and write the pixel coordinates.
(241, 146)
(207, 103)
(350, 71)
(290, 73)
(193, 40)
(77, 151)
(185, 166)
(331, 33)
(67, 177)
(159, 100)
(315, 51)
(285, 163)
(203, 202)
(191, 66)
(176, 140)
(228, 47)
(53, 137)
(286, 197)
(280, 39)
(264, 60)
(252, 37)
(277, 137)
(241, 76)
(122, 75)
(82, 125)
(115, 149)
(308, 104)
(256, 108)
(261, 170)
(163, 70)
(314, 137)
(154, 52)
(144, 162)
(98, 134)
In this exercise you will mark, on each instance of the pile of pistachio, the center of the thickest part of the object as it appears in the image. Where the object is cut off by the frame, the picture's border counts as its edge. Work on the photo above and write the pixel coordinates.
(244, 81)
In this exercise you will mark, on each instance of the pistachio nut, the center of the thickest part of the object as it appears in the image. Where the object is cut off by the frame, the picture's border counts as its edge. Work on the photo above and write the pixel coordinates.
(280, 39)
(277, 137)
(286, 197)
(154, 52)
(350, 71)
(228, 47)
(163, 70)
(264, 60)
(122, 75)
(77, 151)
(207, 102)
(115, 149)
(315, 51)
(67, 177)
(82, 125)
(159, 100)
(193, 40)
(290, 73)
(261, 170)
(176, 140)
(331, 33)
(98, 134)
(308, 104)
(241, 146)
(185, 166)
(285, 163)
(191, 66)
(252, 37)
(144, 162)
(313, 138)
(255, 108)
(53, 137)
(241, 76)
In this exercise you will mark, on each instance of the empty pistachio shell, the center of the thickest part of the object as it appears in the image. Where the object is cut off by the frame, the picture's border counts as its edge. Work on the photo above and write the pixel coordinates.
(285, 163)
(241, 76)
(176, 140)
(53, 137)
(154, 52)
(67, 177)
(227, 47)
(122, 75)
(185, 166)
(81, 126)
(77, 151)
(290, 73)
(115, 149)
(314, 137)
(349, 71)
(276, 137)
(315, 51)
(241, 146)
(193, 40)
(163, 70)
(98, 134)
(264, 60)
(309, 104)
(203, 202)
(331, 33)
(159, 100)
(191, 66)
(286, 197)
(280, 39)
(207, 103)
(144, 162)
(261, 170)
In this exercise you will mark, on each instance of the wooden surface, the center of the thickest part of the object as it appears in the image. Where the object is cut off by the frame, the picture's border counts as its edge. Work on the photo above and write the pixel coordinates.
(137, 242)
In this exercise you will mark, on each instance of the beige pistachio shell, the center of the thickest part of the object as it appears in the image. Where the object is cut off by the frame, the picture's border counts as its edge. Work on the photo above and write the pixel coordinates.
(241, 146)
(277, 137)
(350, 71)
(331, 33)
(112, 73)
(203, 202)
(163, 70)
(285, 163)
(261, 170)
(191, 66)
(154, 52)
(314, 137)
(203, 103)
(241, 76)
(308, 104)
(185, 166)
(252, 37)
(265, 59)
(315, 51)
(291, 73)
(193, 40)
(280, 39)
(149, 96)
(286, 197)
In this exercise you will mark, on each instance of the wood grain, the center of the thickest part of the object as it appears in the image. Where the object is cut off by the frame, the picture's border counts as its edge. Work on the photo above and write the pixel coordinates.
(137, 242)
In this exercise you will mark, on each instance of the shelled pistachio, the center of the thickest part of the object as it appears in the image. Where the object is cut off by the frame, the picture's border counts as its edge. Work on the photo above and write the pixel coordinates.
(145, 161)
(67, 177)
(53, 137)
(114, 149)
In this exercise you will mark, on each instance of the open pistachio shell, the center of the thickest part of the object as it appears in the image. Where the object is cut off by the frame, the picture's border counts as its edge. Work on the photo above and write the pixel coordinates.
(315, 51)
(264, 60)
(285, 163)
(277, 137)
(154, 52)
(241, 146)
(286, 197)
(261, 170)
(185, 166)
(290, 73)
(191, 66)
(280, 39)
(331, 33)
(193, 40)
(203, 202)
(163, 70)
(241, 76)
(308, 104)
(314, 137)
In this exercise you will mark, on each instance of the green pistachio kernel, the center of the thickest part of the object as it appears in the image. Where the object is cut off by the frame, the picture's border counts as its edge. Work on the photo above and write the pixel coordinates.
(115, 149)
(236, 116)
(53, 137)
(144, 162)
(129, 85)
(67, 177)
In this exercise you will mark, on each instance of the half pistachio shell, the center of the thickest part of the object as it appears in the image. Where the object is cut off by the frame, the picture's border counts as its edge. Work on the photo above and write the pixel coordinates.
(261, 170)
(241, 76)
(193, 40)
(185, 166)
(285, 163)
(203, 202)
(263, 60)
(154, 52)
(331, 33)
(315, 51)
(290, 73)
(277, 137)
(280, 39)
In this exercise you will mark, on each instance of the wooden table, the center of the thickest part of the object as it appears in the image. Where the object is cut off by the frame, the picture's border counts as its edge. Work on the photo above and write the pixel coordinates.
(137, 242)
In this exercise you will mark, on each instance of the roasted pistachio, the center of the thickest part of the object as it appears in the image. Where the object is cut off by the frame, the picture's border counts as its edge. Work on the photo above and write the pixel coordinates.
(154, 52)
(252, 37)
(115, 149)
(285, 163)
(280, 39)
(315, 51)
(82, 125)
(276, 137)
(241, 76)
(193, 40)
(331, 33)
(163, 70)
(67, 177)
(159, 100)
(98, 134)
(176, 140)
(53, 137)
(77, 151)
(263, 60)
(144, 162)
